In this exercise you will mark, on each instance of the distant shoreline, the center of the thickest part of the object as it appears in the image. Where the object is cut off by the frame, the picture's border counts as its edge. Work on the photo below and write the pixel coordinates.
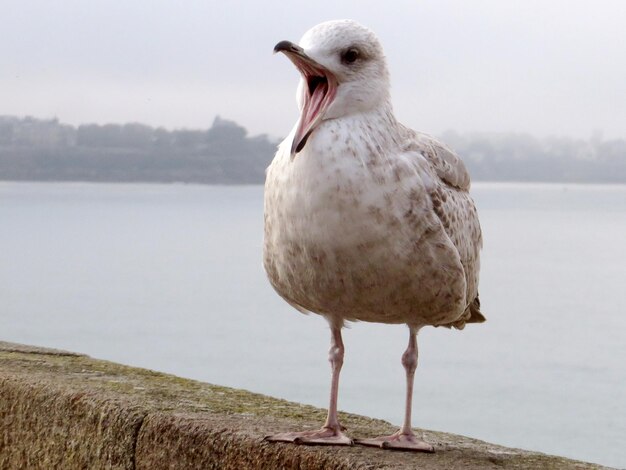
(480, 183)
(33, 149)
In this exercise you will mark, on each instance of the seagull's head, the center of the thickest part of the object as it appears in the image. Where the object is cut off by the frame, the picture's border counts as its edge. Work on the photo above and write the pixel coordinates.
(343, 72)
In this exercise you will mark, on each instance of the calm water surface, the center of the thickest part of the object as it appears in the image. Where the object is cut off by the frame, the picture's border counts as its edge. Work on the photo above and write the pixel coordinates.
(170, 277)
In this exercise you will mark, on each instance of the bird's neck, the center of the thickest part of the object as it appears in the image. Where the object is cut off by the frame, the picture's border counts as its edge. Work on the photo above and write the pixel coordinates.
(367, 132)
(381, 113)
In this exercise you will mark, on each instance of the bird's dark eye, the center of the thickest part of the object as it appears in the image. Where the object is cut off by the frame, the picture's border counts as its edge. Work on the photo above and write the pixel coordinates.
(350, 56)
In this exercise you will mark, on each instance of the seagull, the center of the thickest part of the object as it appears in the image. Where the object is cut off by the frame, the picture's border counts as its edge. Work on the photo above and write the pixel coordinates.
(366, 219)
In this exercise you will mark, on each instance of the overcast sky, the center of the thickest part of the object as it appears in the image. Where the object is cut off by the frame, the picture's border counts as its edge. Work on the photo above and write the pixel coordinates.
(543, 67)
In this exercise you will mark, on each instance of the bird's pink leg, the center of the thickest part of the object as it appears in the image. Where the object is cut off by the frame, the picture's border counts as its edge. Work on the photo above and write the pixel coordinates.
(405, 438)
(332, 432)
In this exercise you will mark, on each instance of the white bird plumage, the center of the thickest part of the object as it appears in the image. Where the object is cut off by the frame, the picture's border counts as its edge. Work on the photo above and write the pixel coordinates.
(365, 219)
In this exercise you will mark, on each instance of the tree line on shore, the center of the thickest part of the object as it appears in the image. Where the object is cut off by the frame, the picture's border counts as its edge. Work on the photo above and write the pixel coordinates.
(34, 149)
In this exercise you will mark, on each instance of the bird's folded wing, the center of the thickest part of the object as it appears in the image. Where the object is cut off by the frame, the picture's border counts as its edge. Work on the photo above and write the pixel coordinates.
(447, 164)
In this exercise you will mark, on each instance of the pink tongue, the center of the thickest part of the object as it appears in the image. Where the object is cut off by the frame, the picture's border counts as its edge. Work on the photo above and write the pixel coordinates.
(313, 103)
(314, 106)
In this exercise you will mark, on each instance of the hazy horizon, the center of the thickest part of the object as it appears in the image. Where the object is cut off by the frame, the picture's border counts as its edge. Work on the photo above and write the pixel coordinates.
(531, 67)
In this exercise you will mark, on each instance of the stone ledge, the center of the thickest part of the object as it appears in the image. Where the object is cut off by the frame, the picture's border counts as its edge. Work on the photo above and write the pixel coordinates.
(15, 347)
(65, 410)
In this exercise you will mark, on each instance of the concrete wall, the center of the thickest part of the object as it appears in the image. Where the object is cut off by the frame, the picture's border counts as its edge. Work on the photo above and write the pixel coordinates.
(65, 410)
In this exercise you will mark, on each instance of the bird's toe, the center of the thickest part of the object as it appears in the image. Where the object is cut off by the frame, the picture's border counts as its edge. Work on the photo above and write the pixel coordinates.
(324, 436)
(397, 442)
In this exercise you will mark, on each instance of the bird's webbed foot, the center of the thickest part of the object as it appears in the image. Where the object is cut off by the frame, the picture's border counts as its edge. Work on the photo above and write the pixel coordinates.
(398, 441)
(324, 436)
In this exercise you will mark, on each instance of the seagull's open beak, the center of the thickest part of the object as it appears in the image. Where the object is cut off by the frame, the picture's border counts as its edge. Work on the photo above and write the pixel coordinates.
(318, 94)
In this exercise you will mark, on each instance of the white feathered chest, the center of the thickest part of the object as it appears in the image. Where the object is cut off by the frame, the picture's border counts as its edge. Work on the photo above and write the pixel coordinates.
(351, 230)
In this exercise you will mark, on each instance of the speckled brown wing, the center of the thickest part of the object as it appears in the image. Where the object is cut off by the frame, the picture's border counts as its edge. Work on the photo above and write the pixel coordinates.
(447, 164)
(455, 209)
(457, 213)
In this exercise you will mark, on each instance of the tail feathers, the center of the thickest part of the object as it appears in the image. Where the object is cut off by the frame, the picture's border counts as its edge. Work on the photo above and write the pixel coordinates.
(476, 315)
(472, 314)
